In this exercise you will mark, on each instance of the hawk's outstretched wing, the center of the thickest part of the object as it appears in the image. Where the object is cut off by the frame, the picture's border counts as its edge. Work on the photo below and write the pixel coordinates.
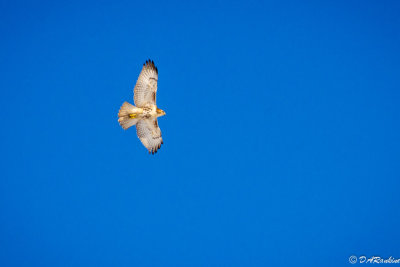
(146, 85)
(150, 134)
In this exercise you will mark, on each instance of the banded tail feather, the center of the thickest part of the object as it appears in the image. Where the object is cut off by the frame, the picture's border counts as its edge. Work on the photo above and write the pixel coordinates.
(127, 115)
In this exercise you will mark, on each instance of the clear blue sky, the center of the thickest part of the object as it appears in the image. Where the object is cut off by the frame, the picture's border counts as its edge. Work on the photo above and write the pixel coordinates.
(281, 139)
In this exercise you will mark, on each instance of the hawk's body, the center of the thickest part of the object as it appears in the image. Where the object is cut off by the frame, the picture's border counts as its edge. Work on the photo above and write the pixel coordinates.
(145, 114)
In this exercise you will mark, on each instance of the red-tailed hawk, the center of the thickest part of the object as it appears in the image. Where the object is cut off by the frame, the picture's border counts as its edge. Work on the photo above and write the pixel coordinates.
(145, 114)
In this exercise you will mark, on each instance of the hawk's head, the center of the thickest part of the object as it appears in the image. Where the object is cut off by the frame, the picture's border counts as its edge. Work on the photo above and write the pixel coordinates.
(160, 112)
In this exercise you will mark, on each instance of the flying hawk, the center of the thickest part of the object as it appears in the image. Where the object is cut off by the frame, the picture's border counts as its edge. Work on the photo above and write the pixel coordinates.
(146, 112)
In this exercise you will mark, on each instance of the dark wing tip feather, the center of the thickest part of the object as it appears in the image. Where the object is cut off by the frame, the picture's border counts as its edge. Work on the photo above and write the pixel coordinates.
(150, 63)
(154, 150)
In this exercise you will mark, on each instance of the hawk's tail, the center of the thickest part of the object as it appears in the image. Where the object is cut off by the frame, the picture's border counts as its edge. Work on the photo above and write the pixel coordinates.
(126, 115)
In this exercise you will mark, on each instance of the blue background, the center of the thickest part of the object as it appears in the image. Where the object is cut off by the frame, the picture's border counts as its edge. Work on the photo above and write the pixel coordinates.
(281, 139)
